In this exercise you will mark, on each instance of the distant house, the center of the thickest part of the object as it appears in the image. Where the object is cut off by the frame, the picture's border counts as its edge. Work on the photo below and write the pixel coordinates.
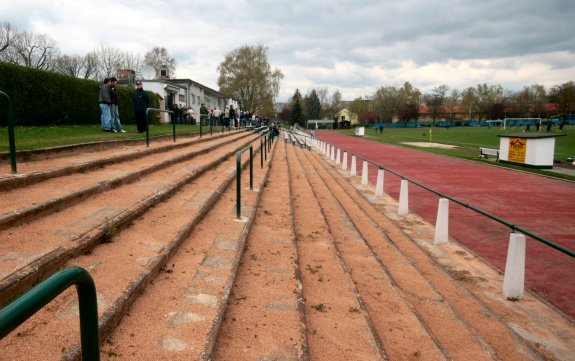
(184, 92)
(346, 118)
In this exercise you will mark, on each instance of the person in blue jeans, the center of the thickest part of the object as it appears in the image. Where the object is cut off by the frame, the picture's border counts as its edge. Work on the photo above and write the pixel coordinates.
(116, 125)
(105, 103)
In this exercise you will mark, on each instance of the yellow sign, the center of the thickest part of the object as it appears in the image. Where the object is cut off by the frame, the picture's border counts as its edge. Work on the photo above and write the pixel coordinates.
(517, 150)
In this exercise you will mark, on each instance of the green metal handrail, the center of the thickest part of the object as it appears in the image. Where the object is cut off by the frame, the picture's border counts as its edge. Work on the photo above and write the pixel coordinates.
(513, 227)
(262, 149)
(24, 307)
(11, 138)
(239, 176)
(148, 123)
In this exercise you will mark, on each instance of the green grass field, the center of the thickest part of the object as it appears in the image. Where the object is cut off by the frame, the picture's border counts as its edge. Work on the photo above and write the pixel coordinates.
(468, 141)
(28, 138)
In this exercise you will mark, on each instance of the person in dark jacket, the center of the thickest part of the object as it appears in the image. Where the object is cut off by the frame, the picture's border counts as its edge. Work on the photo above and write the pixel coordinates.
(141, 101)
(116, 124)
(105, 103)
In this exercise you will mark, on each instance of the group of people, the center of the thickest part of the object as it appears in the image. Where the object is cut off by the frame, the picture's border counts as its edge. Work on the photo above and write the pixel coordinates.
(108, 99)
(182, 113)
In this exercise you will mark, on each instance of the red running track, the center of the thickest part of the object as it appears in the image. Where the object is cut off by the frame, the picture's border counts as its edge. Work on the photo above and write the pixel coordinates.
(540, 205)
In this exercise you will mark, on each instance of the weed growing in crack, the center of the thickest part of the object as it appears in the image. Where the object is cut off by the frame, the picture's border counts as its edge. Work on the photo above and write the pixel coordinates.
(320, 307)
(108, 231)
(313, 270)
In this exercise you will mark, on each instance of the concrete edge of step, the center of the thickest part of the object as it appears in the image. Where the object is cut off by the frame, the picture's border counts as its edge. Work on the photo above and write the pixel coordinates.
(21, 180)
(29, 213)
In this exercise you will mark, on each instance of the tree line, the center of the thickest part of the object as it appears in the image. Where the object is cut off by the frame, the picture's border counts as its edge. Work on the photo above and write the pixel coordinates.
(406, 103)
(39, 51)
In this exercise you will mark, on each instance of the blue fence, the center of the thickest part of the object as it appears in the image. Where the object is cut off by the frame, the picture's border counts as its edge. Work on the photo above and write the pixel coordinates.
(567, 119)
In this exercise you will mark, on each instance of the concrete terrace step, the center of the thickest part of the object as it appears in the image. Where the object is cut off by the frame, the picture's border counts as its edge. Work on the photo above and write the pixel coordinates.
(25, 262)
(39, 164)
(463, 282)
(24, 204)
(123, 267)
(179, 316)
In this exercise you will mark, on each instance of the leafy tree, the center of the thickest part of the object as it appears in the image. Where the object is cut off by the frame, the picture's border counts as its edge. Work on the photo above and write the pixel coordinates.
(246, 75)
(409, 100)
(358, 106)
(285, 115)
(158, 57)
(435, 101)
(312, 105)
(486, 97)
(564, 96)
(386, 101)
(296, 109)
(469, 101)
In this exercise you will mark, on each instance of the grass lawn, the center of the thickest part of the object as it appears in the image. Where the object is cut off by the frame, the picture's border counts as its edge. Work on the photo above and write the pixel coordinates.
(28, 138)
(468, 140)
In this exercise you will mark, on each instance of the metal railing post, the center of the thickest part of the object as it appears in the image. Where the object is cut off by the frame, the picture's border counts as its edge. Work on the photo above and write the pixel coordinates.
(148, 123)
(239, 177)
(19, 310)
(262, 151)
(11, 137)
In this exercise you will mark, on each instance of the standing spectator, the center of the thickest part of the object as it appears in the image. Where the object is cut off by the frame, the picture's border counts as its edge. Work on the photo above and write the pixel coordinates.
(233, 116)
(203, 113)
(216, 115)
(116, 125)
(141, 101)
(104, 100)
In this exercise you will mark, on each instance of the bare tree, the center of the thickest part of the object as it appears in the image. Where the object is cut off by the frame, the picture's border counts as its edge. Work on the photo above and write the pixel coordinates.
(90, 61)
(69, 65)
(109, 60)
(7, 34)
(133, 61)
(35, 50)
(159, 57)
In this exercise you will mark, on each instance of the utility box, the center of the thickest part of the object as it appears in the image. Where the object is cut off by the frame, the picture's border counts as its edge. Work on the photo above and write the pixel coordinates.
(528, 149)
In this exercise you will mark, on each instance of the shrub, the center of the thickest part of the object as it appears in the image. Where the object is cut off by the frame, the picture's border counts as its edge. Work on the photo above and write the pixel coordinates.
(46, 98)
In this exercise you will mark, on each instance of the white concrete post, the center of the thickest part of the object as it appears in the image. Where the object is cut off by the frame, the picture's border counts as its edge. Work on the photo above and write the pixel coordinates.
(327, 150)
(364, 179)
(337, 156)
(514, 279)
(332, 153)
(353, 166)
(442, 222)
(403, 199)
(344, 161)
(379, 184)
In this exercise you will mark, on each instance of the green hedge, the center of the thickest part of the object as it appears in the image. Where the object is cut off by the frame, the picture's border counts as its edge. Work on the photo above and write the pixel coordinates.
(46, 98)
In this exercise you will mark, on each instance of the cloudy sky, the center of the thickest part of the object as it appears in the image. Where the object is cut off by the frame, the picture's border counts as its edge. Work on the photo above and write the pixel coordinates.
(353, 46)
